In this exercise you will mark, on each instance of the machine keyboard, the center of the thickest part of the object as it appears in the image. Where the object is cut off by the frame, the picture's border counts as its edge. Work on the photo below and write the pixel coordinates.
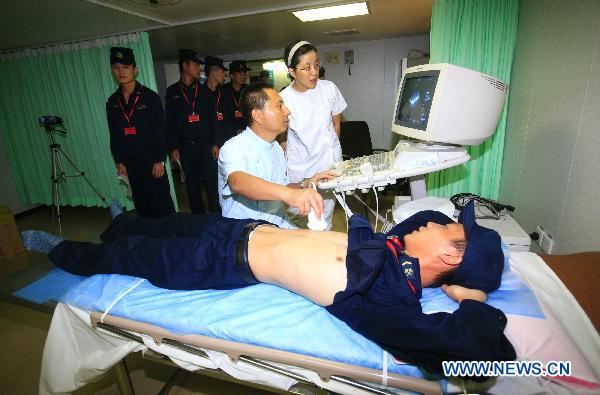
(380, 161)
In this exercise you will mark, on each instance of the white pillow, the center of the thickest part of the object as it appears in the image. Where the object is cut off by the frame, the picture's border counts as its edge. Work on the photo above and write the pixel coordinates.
(545, 339)
(566, 334)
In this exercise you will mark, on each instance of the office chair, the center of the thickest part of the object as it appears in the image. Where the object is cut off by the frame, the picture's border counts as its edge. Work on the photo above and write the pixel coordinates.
(355, 139)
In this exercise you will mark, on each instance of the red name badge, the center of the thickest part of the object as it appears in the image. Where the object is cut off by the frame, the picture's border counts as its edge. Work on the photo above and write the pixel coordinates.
(193, 118)
(130, 130)
(238, 114)
(220, 116)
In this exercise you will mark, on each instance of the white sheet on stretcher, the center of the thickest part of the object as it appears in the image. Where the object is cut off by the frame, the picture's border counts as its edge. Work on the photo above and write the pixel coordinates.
(76, 354)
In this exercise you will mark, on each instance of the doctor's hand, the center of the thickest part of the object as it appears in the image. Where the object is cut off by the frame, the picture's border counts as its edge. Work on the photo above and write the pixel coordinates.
(304, 199)
(175, 155)
(322, 176)
(459, 293)
(215, 152)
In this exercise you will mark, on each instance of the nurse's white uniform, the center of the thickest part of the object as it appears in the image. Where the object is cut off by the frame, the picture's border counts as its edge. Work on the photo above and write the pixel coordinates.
(312, 145)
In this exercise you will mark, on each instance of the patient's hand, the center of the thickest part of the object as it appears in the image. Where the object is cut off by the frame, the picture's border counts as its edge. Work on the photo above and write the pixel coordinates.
(459, 293)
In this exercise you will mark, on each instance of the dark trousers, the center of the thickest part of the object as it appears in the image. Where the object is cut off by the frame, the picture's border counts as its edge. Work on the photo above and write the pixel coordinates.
(199, 166)
(151, 196)
(180, 251)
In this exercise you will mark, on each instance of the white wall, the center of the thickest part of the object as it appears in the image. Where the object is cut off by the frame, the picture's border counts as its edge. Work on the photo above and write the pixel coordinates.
(370, 90)
(161, 78)
(552, 152)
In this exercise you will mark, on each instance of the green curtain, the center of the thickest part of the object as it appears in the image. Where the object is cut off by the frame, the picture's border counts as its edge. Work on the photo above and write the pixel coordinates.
(72, 81)
(479, 35)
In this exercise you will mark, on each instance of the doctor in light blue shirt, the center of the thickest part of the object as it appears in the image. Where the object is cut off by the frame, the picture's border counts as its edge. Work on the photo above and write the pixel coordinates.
(250, 154)
(253, 182)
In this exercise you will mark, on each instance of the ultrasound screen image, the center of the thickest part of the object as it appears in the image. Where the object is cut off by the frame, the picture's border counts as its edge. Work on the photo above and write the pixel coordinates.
(415, 102)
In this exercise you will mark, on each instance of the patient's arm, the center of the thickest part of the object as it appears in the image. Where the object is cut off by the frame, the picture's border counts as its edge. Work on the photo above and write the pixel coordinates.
(474, 332)
(459, 293)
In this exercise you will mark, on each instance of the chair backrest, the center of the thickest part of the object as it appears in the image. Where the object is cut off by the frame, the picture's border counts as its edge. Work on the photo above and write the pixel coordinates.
(355, 139)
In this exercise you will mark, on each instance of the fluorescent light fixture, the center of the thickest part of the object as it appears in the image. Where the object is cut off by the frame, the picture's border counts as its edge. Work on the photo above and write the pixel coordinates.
(277, 65)
(336, 11)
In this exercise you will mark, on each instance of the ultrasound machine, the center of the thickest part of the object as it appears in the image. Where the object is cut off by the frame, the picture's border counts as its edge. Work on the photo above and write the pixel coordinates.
(440, 108)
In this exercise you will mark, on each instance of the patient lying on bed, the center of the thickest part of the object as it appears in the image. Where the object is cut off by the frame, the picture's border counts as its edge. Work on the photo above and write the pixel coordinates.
(371, 281)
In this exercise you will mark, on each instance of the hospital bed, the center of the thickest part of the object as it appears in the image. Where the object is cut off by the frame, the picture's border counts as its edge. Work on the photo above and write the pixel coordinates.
(271, 337)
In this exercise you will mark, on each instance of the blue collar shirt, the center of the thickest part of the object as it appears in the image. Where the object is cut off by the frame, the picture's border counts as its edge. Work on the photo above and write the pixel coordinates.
(250, 154)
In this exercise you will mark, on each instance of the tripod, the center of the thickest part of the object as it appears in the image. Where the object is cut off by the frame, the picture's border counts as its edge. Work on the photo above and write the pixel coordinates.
(58, 172)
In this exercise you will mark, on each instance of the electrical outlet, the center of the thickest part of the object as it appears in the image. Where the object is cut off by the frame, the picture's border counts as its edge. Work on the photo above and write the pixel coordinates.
(542, 235)
(547, 244)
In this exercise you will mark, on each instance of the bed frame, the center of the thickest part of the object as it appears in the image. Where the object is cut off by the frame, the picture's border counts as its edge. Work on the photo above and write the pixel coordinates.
(365, 379)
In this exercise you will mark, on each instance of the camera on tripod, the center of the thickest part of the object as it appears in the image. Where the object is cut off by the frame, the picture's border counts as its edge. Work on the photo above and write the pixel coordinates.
(51, 122)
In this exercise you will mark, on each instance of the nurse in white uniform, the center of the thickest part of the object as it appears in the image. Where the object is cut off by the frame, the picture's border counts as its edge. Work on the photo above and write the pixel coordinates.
(313, 143)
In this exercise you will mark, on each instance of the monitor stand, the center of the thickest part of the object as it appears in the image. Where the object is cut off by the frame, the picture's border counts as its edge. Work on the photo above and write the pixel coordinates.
(443, 152)
(418, 188)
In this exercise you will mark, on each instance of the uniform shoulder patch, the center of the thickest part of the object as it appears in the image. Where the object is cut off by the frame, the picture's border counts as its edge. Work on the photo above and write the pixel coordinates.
(407, 268)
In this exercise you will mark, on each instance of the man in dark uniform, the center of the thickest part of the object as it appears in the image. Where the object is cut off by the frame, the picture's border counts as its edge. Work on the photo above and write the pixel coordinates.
(371, 281)
(191, 130)
(137, 137)
(211, 94)
(215, 78)
(238, 75)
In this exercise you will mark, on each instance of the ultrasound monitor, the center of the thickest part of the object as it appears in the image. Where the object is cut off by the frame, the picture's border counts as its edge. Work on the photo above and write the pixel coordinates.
(444, 103)
(415, 105)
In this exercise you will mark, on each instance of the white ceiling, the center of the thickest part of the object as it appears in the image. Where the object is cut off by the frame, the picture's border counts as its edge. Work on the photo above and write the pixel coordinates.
(210, 27)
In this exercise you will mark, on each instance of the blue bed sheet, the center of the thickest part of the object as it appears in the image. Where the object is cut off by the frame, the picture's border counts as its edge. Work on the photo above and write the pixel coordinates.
(263, 315)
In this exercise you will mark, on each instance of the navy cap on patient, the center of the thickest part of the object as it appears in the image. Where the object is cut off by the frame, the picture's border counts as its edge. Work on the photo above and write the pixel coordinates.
(483, 260)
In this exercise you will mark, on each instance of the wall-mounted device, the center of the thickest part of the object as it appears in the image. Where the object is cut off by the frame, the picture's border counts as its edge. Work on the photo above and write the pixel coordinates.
(349, 56)
(331, 57)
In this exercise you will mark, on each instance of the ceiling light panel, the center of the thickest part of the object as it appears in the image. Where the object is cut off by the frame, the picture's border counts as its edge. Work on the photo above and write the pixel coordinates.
(336, 11)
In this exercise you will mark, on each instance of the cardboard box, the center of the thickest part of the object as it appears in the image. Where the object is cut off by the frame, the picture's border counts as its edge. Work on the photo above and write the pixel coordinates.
(10, 239)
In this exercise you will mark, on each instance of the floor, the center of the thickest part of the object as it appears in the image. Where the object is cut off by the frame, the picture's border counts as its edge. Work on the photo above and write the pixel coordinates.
(24, 329)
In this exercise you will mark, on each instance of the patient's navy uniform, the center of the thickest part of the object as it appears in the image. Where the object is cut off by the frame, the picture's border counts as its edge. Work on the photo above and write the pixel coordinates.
(138, 140)
(181, 251)
(191, 127)
(381, 301)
